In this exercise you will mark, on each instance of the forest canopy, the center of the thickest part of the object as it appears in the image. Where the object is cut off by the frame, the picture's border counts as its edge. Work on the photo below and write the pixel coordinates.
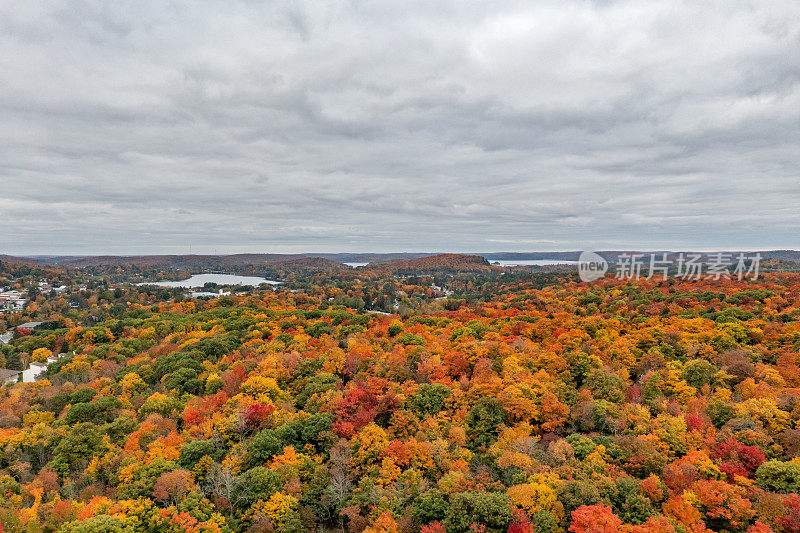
(516, 405)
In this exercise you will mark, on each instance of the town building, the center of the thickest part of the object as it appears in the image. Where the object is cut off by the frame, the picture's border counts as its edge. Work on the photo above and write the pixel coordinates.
(12, 301)
(9, 376)
(34, 369)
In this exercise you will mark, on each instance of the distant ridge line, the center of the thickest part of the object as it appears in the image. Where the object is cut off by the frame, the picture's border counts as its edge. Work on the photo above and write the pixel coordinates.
(223, 261)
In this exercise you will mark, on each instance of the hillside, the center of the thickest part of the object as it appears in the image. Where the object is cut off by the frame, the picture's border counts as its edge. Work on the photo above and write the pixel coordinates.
(307, 265)
(440, 263)
(187, 262)
(17, 260)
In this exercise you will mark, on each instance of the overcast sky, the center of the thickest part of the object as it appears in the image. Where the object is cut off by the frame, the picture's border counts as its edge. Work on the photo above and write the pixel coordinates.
(149, 126)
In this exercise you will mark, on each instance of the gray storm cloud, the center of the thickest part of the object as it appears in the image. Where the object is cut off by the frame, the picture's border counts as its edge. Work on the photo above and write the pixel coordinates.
(143, 127)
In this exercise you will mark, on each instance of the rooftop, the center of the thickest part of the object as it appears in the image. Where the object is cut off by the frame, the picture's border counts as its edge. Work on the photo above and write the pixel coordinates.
(6, 373)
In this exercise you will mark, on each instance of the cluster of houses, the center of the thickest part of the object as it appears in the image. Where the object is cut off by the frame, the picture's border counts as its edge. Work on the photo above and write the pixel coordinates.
(29, 375)
(207, 294)
(35, 368)
(46, 286)
(11, 301)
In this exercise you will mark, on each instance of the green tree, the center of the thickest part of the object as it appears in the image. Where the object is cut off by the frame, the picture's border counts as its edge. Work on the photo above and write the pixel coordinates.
(263, 447)
(97, 524)
(429, 400)
(97, 412)
(183, 380)
(192, 452)
(76, 449)
(698, 372)
(144, 479)
(429, 506)
(779, 476)
(484, 419)
(316, 384)
(489, 509)
(605, 385)
(544, 522)
(258, 483)
(82, 395)
(575, 493)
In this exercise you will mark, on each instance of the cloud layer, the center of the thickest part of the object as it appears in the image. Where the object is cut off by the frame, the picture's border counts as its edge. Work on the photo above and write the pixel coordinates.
(149, 126)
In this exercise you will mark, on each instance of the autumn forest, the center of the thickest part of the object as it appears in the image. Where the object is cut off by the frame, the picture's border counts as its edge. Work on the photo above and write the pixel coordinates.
(430, 397)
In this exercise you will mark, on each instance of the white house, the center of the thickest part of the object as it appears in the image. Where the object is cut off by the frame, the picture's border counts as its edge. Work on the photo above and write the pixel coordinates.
(35, 368)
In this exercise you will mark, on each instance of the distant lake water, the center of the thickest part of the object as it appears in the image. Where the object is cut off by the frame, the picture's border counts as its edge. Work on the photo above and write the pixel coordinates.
(354, 265)
(531, 262)
(198, 280)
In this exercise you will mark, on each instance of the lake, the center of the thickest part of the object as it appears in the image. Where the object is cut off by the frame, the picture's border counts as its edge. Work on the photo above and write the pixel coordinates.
(354, 265)
(531, 262)
(198, 280)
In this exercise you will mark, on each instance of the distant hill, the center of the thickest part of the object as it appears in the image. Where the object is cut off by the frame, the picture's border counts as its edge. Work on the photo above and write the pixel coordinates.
(372, 257)
(308, 265)
(18, 260)
(612, 255)
(435, 263)
(194, 261)
(186, 262)
(782, 255)
(399, 261)
(531, 256)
